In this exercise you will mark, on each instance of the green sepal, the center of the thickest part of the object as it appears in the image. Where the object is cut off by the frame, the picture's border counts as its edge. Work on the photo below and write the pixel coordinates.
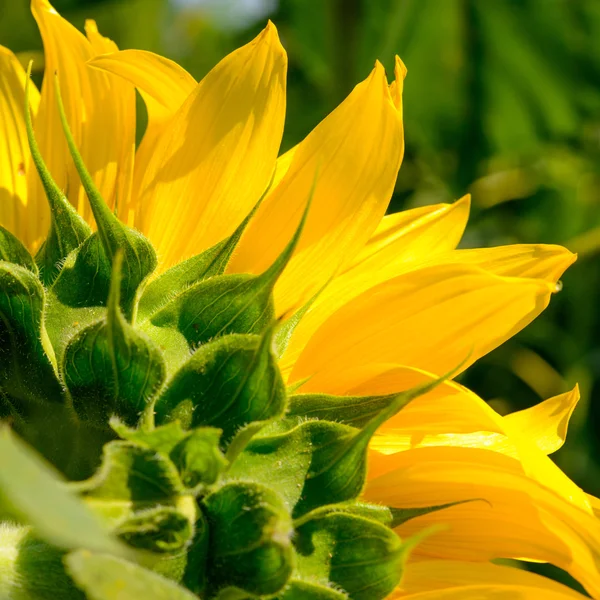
(221, 305)
(250, 539)
(195, 454)
(68, 230)
(331, 469)
(110, 368)
(99, 576)
(139, 256)
(361, 556)
(402, 515)
(13, 251)
(177, 279)
(133, 476)
(227, 383)
(31, 569)
(350, 410)
(34, 493)
(159, 529)
(27, 361)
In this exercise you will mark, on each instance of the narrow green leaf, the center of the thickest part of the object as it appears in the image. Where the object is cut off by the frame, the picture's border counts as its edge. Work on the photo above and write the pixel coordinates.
(111, 368)
(104, 577)
(285, 329)
(27, 361)
(13, 251)
(401, 515)
(139, 255)
(360, 556)
(67, 229)
(36, 495)
(251, 534)
(227, 383)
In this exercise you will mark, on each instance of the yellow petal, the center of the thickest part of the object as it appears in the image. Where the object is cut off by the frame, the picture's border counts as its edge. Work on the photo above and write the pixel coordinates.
(455, 580)
(15, 159)
(100, 109)
(217, 156)
(546, 423)
(431, 318)
(400, 243)
(537, 261)
(354, 154)
(164, 87)
(512, 516)
(452, 415)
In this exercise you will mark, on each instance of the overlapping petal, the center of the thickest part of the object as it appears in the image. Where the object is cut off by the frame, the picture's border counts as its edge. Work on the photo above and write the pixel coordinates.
(353, 158)
(100, 110)
(217, 156)
(164, 86)
(511, 515)
(455, 580)
(402, 242)
(15, 159)
(430, 318)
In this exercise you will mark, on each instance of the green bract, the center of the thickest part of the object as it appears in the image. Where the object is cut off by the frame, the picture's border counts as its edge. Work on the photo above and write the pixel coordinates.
(193, 471)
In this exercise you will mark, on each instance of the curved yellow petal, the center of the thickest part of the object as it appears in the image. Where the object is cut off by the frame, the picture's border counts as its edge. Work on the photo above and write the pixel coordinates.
(100, 109)
(431, 318)
(456, 580)
(511, 516)
(536, 261)
(452, 415)
(546, 423)
(164, 87)
(154, 76)
(217, 156)
(354, 154)
(15, 158)
(400, 243)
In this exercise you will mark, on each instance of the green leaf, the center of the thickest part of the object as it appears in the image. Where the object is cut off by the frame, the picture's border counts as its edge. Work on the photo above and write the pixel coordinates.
(35, 494)
(13, 251)
(27, 370)
(104, 577)
(220, 305)
(361, 556)
(67, 229)
(139, 256)
(161, 529)
(250, 546)
(227, 383)
(110, 368)
(177, 279)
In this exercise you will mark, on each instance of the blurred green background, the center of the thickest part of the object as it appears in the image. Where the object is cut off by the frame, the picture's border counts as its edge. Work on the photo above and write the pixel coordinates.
(502, 100)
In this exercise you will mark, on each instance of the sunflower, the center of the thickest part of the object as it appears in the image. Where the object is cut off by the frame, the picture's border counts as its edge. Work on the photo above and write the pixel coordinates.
(278, 284)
